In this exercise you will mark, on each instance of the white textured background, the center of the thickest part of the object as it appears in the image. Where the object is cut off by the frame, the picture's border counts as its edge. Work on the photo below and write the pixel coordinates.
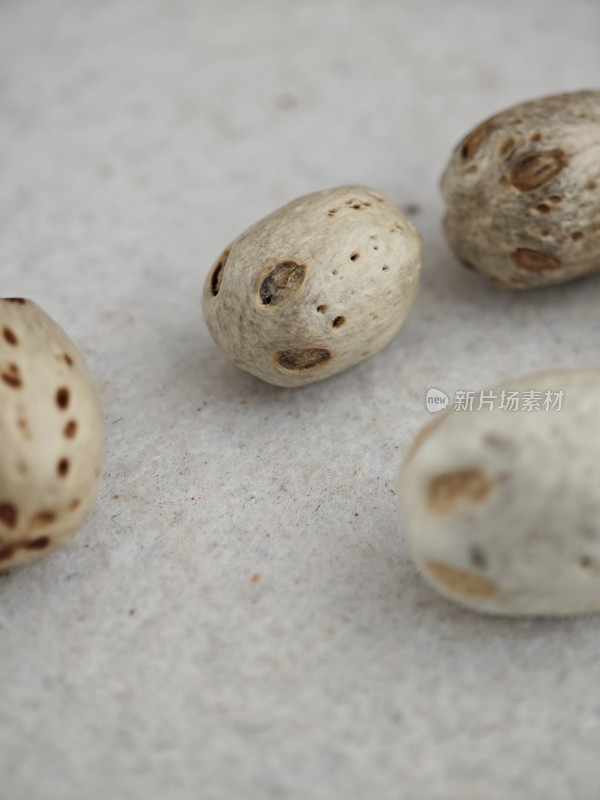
(143, 661)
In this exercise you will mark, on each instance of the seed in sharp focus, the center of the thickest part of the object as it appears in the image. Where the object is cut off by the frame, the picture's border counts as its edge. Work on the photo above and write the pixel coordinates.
(300, 261)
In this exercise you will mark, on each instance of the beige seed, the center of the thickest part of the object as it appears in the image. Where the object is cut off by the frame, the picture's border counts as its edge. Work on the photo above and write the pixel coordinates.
(522, 193)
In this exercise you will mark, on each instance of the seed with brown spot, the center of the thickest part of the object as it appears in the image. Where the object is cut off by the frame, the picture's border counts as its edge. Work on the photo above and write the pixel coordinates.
(217, 274)
(555, 198)
(9, 336)
(534, 171)
(477, 557)
(282, 283)
(63, 397)
(507, 147)
(74, 504)
(7, 551)
(534, 260)
(576, 236)
(354, 256)
(451, 492)
(537, 137)
(500, 443)
(70, 429)
(12, 376)
(322, 308)
(62, 468)
(41, 519)
(338, 322)
(38, 544)
(543, 208)
(474, 140)
(68, 359)
(18, 300)
(301, 359)
(8, 515)
(461, 581)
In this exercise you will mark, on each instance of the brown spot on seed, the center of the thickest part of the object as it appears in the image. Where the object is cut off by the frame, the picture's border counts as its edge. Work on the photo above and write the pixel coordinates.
(535, 260)
(355, 256)
(338, 322)
(9, 336)
(534, 171)
(74, 504)
(322, 308)
(62, 398)
(24, 427)
(474, 140)
(62, 468)
(70, 429)
(8, 514)
(576, 236)
(281, 283)
(544, 208)
(12, 377)
(255, 578)
(461, 581)
(7, 551)
(477, 557)
(537, 137)
(452, 492)
(18, 300)
(68, 359)
(507, 147)
(301, 359)
(41, 519)
(217, 273)
(37, 544)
